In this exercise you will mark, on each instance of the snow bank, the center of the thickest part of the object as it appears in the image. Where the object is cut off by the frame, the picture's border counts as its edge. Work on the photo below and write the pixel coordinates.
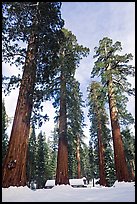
(62, 188)
(123, 184)
(122, 192)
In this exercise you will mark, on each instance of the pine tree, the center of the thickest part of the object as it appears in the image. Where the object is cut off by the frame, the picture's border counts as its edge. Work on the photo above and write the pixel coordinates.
(129, 146)
(92, 165)
(53, 147)
(39, 30)
(85, 166)
(108, 152)
(113, 70)
(97, 112)
(31, 156)
(72, 162)
(41, 174)
(93, 147)
(4, 128)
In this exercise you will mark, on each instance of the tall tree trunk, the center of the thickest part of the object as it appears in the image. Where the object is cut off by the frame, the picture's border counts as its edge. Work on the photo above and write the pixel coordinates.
(102, 174)
(78, 157)
(62, 157)
(101, 155)
(14, 167)
(119, 155)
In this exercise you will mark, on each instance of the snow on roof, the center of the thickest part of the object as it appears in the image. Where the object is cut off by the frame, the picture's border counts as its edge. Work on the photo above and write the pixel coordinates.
(72, 182)
(76, 181)
(50, 183)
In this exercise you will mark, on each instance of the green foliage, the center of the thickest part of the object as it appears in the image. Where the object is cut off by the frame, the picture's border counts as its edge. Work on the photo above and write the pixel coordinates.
(129, 146)
(42, 158)
(97, 111)
(85, 165)
(4, 128)
(72, 167)
(111, 66)
(31, 156)
(20, 20)
(53, 147)
(69, 56)
(75, 124)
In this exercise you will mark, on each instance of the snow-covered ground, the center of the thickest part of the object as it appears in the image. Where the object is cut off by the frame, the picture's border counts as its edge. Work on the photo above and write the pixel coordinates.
(120, 192)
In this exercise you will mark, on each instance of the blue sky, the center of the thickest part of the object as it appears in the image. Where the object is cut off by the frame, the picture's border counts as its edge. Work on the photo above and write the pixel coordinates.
(90, 22)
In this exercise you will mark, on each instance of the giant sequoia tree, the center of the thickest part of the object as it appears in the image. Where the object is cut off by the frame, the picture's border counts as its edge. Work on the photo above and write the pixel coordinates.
(75, 128)
(97, 112)
(70, 55)
(114, 70)
(36, 24)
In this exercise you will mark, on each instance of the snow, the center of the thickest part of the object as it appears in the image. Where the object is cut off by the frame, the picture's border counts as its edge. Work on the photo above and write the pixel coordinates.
(120, 192)
(73, 182)
(50, 183)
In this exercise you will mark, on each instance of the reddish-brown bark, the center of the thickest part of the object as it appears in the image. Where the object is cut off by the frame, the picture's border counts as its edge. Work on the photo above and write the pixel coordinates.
(102, 174)
(14, 166)
(101, 156)
(119, 155)
(62, 157)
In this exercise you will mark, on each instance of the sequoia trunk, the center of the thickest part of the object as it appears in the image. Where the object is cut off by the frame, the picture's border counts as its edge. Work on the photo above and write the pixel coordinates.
(14, 166)
(119, 155)
(102, 174)
(62, 158)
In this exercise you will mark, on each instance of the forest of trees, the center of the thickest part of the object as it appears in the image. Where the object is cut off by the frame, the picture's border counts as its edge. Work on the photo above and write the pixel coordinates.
(49, 63)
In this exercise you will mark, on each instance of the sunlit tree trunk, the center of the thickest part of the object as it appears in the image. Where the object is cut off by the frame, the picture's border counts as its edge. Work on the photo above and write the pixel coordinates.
(14, 166)
(119, 155)
(62, 157)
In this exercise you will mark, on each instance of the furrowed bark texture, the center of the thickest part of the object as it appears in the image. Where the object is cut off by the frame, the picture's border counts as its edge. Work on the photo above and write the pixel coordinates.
(14, 167)
(62, 157)
(119, 154)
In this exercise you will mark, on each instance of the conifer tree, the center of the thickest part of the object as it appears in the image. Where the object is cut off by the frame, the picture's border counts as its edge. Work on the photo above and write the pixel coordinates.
(53, 148)
(91, 161)
(85, 166)
(4, 128)
(96, 109)
(41, 173)
(129, 146)
(70, 55)
(93, 148)
(75, 126)
(114, 70)
(38, 25)
(31, 156)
